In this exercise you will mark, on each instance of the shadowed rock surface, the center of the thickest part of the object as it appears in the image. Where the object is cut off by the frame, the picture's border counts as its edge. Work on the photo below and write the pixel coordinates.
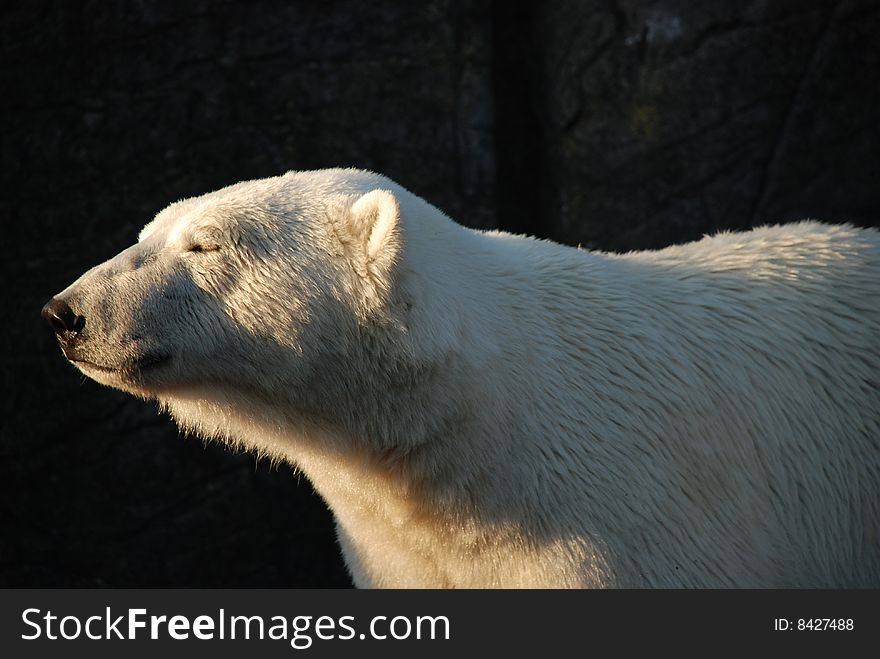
(617, 125)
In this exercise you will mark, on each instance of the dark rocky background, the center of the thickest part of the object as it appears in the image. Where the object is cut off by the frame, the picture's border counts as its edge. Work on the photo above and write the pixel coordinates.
(616, 125)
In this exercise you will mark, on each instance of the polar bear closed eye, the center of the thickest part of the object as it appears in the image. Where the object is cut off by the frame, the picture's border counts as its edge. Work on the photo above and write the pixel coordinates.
(486, 410)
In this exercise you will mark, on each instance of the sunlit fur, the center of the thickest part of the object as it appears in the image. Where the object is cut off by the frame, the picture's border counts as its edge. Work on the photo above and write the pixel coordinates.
(488, 410)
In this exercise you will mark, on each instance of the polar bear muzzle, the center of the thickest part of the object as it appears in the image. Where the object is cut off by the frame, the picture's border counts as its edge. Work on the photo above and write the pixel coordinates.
(69, 328)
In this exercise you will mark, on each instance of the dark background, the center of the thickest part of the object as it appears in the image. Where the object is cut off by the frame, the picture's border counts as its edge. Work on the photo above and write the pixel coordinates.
(617, 125)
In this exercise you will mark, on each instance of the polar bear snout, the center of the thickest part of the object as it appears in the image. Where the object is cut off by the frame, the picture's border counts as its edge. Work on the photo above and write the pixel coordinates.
(61, 318)
(111, 347)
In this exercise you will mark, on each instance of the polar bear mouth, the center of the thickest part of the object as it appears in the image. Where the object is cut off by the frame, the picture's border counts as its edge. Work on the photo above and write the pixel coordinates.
(139, 365)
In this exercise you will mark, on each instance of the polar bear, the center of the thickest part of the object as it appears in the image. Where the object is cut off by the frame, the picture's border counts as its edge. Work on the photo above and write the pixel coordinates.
(480, 409)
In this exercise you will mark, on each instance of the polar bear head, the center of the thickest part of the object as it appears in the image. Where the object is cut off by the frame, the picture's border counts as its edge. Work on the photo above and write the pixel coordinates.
(285, 297)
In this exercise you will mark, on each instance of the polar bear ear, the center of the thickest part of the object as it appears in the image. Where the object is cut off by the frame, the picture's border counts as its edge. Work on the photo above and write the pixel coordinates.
(373, 227)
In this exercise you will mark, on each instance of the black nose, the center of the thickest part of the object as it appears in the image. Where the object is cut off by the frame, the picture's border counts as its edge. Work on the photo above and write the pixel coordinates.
(61, 317)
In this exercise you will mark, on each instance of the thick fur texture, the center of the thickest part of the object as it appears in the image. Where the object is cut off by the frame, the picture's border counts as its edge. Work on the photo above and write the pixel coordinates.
(488, 410)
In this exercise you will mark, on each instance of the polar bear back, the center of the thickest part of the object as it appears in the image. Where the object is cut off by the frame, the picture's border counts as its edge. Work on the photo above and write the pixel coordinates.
(725, 395)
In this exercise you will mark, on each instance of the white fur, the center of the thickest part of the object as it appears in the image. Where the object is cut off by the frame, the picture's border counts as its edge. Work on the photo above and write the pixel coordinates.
(488, 410)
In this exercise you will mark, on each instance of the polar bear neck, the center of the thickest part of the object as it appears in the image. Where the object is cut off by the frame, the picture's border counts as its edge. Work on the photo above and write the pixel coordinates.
(465, 465)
